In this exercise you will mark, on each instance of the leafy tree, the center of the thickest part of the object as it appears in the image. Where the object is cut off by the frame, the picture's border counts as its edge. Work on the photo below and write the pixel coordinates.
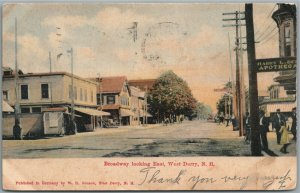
(171, 96)
(221, 102)
(202, 111)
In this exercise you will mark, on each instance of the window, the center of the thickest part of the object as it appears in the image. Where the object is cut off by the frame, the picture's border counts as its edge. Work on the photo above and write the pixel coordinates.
(36, 109)
(75, 93)
(287, 40)
(124, 101)
(25, 110)
(85, 95)
(110, 99)
(98, 99)
(92, 96)
(81, 94)
(70, 91)
(5, 95)
(45, 91)
(24, 91)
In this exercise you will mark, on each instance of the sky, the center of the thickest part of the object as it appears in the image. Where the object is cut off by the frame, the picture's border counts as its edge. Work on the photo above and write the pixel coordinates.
(186, 38)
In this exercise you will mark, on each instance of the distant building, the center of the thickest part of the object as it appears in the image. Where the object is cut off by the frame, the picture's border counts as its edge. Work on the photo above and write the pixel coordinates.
(113, 96)
(278, 99)
(285, 17)
(138, 106)
(142, 84)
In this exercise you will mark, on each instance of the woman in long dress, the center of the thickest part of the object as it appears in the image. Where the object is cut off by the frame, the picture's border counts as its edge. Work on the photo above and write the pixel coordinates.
(285, 141)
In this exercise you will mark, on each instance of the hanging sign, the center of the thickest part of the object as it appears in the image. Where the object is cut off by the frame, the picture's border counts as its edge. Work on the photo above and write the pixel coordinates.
(276, 64)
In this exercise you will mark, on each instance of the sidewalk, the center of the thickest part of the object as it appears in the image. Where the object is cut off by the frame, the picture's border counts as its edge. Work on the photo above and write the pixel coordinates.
(274, 147)
(272, 141)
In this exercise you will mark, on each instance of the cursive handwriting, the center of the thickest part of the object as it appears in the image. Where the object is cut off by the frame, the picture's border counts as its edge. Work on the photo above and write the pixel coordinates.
(242, 179)
(198, 179)
(280, 180)
(154, 177)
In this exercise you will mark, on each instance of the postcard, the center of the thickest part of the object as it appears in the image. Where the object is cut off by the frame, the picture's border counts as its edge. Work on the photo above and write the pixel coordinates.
(149, 96)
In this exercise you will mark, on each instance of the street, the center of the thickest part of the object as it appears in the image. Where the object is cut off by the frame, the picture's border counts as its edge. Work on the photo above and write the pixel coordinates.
(190, 138)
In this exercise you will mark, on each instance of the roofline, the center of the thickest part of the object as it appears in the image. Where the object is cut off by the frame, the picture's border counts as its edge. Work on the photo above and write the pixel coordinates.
(51, 74)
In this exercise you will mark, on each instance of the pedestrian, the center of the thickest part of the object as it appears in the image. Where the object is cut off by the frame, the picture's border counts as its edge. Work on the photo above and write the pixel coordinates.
(17, 130)
(263, 127)
(247, 126)
(278, 120)
(234, 123)
(221, 117)
(294, 124)
(284, 138)
(227, 119)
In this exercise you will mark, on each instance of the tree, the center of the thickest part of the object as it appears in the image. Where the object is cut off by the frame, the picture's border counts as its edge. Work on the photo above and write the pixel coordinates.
(227, 97)
(202, 111)
(171, 96)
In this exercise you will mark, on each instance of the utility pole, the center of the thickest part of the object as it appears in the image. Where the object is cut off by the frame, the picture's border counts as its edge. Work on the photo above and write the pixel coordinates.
(146, 107)
(225, 98)
(100, 97)
(17, 129)
(232, 83)
(237, 25)
(74, 127)
(50, 66)
(253, 93)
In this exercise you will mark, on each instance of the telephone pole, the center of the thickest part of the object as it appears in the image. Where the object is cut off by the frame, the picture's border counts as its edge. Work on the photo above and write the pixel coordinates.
(238, 106)
(17, 129)
(253, 93)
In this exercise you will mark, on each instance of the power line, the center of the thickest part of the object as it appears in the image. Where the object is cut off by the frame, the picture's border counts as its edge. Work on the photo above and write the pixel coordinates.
(266, 31)
(270, 37)
(268, 16)
(267, 35)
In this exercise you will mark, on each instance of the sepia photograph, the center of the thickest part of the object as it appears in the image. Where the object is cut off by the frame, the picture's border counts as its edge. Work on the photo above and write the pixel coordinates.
(135, 84)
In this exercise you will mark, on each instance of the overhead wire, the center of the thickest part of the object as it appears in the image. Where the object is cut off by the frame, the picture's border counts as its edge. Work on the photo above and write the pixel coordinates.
(267, 35)
(270, 37)
(266, 19)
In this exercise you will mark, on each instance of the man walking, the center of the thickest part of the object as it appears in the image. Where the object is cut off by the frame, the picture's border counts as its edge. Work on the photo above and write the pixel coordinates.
(247, 126)
(264, 127)
(278, 120)
(294, 124)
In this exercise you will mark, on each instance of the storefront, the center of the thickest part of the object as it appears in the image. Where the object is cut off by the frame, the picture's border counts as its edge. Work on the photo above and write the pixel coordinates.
(90, 117)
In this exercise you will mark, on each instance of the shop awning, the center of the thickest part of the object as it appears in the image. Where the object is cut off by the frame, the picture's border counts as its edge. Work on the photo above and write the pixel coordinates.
(144, 113)
(126, 113)
(6, 107)
(92, 112)
(284, 107)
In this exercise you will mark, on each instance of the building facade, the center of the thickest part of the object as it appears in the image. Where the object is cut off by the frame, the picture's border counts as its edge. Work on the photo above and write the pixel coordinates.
(113, 96)
(38, 91)
(42, 93)
(285, 18)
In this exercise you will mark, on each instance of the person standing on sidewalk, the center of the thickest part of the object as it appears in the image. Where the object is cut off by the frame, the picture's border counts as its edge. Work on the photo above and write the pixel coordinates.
(264, 127)
(247, 127)
(278, 120)
(294, 124)
(284, 138)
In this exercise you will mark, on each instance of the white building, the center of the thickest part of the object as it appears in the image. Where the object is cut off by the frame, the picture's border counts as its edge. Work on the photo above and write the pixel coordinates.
(44, 90)
(41, 92)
